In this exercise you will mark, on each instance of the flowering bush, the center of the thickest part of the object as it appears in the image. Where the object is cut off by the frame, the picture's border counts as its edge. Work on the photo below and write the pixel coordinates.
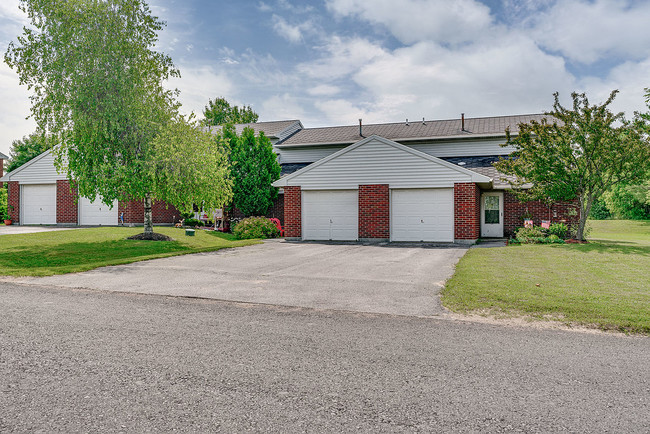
(255, 227)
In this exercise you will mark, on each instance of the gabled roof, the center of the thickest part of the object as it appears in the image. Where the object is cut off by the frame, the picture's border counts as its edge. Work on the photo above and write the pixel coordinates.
(19, 169)
(411, 131)
(3, 156)
(272, 129)
(382, 167)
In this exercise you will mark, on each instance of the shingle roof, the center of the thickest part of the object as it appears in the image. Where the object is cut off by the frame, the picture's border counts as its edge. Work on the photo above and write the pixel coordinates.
(414, 130)
(271, 128)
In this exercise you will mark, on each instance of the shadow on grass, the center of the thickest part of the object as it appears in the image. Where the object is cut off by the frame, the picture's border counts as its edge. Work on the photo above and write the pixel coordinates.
(610, 246)
(80, 253)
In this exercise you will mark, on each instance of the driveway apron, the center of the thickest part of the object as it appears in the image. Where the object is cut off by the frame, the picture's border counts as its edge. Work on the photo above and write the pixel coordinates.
(389, 279)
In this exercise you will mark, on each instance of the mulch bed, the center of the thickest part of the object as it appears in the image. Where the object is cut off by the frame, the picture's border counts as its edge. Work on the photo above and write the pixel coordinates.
(151, 237)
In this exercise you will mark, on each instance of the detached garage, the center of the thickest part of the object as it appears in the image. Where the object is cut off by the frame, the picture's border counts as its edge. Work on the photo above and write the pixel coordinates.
(40, 195)
(382, 190)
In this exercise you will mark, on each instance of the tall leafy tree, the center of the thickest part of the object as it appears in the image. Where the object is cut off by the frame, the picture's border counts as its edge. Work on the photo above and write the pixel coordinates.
(28, 147)
(254, 168)
(577, 152)
(220, 112)
(97, 86)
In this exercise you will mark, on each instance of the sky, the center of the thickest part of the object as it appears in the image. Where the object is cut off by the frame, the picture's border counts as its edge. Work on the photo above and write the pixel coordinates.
(331, 62)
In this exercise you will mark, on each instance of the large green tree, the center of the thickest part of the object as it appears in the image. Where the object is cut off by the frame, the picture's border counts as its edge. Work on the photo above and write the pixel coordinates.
(577, 152)
(97, 86)
(28, 147)
(220, 112)
(254, 168)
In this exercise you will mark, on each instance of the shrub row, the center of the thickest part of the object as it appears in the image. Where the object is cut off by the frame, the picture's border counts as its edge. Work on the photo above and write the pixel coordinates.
(555, 234)
(255, 227)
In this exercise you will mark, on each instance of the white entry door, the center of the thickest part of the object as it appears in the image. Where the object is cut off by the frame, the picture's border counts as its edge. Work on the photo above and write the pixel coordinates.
(330, 215)
(97, 213)
(492, 214)
(422, 214)
(38, 204)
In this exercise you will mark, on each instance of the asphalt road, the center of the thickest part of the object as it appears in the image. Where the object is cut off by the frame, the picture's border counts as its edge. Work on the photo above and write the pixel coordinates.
(89, 361)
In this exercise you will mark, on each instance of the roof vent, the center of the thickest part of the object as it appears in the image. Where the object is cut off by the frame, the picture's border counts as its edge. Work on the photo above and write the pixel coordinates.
(423, 123)
(462, 121)
(360, 129)
(407, 122)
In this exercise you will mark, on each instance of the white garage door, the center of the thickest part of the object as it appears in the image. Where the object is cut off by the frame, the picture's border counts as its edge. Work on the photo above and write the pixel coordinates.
(38, 205)
(330, 215)
(97, 213)
(422, 214)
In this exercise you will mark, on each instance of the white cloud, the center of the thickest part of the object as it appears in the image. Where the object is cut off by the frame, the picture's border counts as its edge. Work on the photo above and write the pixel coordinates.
(504, 74)
(443, 21)
(9, 11)
(198, 84)
(15, 99)
(284, 106)
(341, 56)
(292, 33)
(587, 31)
(630, 78)
(323, 90)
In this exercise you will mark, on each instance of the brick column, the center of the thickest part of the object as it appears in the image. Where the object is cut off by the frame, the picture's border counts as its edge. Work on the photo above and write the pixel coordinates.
(374, 212)
(292, 212)
(13, 201)
(467, 212)
(66, 202)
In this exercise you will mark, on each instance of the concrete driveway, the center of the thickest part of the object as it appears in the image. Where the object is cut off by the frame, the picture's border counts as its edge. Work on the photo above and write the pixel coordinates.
(400, 280)
(17, 229)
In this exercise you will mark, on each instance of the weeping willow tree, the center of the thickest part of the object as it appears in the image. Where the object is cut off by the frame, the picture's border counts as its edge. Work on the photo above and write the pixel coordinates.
(96, 84)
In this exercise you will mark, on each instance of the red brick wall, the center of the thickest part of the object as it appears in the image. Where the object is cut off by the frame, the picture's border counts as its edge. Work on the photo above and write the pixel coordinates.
(374, 211)
(557, 212)
(292, 212)
(13, 201)
(162, 212)
(66, 205)
(467, 211)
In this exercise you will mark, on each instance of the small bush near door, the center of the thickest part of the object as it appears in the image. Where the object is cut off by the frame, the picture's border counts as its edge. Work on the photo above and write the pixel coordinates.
(255, 227)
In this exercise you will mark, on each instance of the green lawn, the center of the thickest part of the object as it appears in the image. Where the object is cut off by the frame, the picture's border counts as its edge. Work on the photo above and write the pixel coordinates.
(59, 252)
(603, 284)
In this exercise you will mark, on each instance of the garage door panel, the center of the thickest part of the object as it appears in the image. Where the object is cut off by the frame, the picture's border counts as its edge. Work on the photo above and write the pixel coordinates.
(330, 215)
(39, 204)
(422, 215)
(97, 213)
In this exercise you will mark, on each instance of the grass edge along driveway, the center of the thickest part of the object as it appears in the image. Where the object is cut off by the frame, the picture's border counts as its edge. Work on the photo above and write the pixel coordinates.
(604, 284)
(60, 252)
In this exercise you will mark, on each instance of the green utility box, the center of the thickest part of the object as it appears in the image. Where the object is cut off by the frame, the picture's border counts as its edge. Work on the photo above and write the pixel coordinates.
(189, 232)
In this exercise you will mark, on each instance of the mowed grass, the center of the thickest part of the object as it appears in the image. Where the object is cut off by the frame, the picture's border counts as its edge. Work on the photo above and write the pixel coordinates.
(604, 284)
(59, 252)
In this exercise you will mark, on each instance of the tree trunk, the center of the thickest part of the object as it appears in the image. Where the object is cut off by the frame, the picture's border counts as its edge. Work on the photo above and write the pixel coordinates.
(585, 209)
(148, 219)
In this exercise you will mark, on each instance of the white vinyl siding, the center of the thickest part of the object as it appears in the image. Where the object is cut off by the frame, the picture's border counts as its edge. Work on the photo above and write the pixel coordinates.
(97, 213)
(306, 154)
(377, 162)
(38, 204)
(330, 215)
(422, 215)
(469, 148)
(40, 171)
